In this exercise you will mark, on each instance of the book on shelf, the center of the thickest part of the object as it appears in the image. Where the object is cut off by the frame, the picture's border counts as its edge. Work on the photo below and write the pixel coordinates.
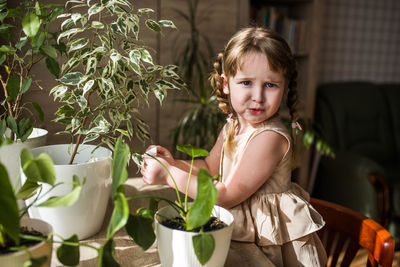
(293, 30)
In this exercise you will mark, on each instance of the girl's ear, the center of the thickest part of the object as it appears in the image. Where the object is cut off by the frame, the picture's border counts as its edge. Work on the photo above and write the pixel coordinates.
(225, 85)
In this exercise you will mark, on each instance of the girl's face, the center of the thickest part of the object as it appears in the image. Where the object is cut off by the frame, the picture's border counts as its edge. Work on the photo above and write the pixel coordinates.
(255, 91)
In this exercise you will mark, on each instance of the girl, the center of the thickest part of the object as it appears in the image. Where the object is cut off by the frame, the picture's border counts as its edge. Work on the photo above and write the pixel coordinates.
(254, 152)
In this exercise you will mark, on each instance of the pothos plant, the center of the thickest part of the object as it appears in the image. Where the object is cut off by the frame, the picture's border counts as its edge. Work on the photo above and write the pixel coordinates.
(108, 71)
(26, 40)
(38, 171)
(140, 225)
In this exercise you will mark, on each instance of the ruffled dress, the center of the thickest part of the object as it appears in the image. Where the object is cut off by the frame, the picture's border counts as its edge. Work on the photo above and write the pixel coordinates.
(278, 216)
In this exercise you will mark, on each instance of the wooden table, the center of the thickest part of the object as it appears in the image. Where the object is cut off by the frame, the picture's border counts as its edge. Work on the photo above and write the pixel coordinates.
(129, 254)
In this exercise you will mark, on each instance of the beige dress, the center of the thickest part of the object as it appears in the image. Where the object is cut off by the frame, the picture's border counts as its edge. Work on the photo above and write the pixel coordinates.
(277, 217)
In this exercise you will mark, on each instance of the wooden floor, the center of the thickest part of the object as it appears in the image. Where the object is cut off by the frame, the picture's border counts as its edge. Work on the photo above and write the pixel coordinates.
(361, 259)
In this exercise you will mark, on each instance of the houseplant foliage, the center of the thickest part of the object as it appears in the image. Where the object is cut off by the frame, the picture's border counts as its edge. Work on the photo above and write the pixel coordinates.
(200, 125)
(108, 71)
(26, 42)
(139, 225)
(38, 170)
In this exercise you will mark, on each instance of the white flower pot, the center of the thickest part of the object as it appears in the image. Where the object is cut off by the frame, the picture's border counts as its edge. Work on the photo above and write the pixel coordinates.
(41, 249)
(175, 247)
(9, 154)
(86, 216)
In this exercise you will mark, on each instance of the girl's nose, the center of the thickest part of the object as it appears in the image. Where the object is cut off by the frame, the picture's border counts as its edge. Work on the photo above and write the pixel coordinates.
(258, 94)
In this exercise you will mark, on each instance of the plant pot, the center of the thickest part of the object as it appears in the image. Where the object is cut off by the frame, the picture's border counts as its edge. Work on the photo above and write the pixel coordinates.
(85, 217)
(175, 247)
(41, 249)
(9, 154)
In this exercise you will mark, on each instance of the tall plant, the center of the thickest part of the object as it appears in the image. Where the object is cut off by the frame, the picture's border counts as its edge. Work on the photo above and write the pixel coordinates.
(201, 123)
(108, 71)
(26, 39)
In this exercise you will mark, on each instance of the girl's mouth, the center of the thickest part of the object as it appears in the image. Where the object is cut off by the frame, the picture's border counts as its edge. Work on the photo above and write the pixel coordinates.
(256, 111)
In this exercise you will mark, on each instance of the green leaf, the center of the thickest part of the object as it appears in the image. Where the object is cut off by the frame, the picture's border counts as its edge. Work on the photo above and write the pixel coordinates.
(52, 66)
(3, 127)
(38, 169)
(27, 190)
(31, 25)
(120, 214)
(66, 200)
(3, 58)
(26, 84)
(192, 151)
(200, 211)
(120, 160)
(106, 255)
(13, 87)
(9, 215)
(153, 25)
(72, 78)
(49, 51)
(203, 245)
(7, 49)
(78, 44)
(24, 129)
(141, 230)
(12, 124)
(68, 254)
(38, 110)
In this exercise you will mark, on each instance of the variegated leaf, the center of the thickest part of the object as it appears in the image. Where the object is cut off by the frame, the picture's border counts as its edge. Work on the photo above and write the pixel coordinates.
(97, 25)
(72, 78)
(94, 9)
(91, 66)
(59, 91)
(145, 10)
(69, 33)
(153, 25)
(78, 44)
(167, 24)
(145, 56)
(88, 85)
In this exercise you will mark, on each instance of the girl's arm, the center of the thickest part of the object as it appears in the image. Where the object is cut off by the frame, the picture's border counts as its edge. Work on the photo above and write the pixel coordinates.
(258, 162)
(153, 172)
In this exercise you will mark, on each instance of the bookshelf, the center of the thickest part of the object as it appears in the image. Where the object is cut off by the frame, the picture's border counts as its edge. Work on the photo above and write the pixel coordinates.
(298, 21)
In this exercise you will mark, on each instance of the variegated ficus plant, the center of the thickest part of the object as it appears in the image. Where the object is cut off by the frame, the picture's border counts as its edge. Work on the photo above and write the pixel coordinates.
(109, 71)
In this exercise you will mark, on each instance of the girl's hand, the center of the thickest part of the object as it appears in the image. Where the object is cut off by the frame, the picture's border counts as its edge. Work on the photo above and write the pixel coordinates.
(152, 171)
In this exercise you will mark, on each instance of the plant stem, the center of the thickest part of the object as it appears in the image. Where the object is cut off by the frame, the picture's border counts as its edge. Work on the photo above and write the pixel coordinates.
(188, 183)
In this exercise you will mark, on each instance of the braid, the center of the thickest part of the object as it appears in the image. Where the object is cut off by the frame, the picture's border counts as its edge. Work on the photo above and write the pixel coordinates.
(224, 104)
(216, 83)
(292, 97)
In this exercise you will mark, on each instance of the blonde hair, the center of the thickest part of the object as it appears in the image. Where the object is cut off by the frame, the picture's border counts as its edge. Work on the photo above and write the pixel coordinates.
(244, 42)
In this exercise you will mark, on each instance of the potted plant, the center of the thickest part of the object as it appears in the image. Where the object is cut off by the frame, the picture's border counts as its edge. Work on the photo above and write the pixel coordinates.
(26, 41)
(107, 72)
(25, 241)
(190, 244)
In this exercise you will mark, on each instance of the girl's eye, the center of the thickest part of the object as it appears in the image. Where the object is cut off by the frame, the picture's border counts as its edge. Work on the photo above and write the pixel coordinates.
(246, 83)
(270, 85)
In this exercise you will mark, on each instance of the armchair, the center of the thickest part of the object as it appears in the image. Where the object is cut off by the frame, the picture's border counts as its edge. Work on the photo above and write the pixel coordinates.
(361, 121)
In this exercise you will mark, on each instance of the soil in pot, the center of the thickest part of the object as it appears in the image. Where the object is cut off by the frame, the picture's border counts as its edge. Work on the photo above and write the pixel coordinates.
(23, 242)
(177, 223)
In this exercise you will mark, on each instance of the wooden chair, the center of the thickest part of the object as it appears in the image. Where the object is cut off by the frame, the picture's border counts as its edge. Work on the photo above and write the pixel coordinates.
(345, 226)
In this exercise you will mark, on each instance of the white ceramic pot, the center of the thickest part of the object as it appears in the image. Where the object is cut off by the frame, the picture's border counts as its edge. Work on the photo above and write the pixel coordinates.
(86, 216)
(41, 249)
(175, 247)
(9, 154)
